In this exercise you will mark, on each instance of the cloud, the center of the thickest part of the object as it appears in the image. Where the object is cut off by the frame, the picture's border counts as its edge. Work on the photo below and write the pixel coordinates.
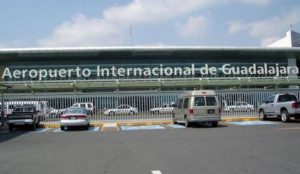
(267, 29)
(110, 28)
(15, 44)
(195, 26)
(255, 2)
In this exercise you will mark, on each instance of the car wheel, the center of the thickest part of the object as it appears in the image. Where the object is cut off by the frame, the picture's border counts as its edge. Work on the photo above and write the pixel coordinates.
(87, 126)
(186, 122)
(214, 124)
(33, 126)
(156, 112)
(231, 110)
(10, 127)
(174, 120)
(62, 128)
(285, 116)
(262, 115)
(131, 113)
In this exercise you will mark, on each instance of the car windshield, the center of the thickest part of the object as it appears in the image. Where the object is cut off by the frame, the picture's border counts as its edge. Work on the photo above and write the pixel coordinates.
(75, 111)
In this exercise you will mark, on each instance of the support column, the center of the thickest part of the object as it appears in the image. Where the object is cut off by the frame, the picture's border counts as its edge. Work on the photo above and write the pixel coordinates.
(1, 72)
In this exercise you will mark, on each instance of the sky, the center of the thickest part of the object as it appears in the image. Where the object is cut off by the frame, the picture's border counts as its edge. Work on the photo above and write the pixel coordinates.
(97, 23)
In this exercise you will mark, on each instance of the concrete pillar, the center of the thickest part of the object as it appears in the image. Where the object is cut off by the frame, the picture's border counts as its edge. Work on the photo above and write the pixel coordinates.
(2, 67)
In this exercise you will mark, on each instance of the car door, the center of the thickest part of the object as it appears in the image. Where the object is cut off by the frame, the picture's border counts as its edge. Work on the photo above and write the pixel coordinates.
(178, 111)
(270, 107)
(126, 109)
(244, 106)
(119, 109)
(163, 109)
(168, 108)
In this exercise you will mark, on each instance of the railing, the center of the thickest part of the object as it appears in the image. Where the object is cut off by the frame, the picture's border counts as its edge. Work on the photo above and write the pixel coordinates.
(104, 106)
(158, 83)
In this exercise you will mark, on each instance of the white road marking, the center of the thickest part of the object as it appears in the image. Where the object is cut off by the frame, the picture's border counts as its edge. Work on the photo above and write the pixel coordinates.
(94, 129)
(156, 172)
(152, 127)
(39, 130)
(176, 126)
(57, 130)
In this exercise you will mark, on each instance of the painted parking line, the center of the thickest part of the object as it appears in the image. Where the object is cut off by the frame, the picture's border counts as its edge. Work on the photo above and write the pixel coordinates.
(57, 130)
(152, 127)
(252, 123)
(94, 129)
(176, 126)
(156, 172)
(41, 130)
(91, 129)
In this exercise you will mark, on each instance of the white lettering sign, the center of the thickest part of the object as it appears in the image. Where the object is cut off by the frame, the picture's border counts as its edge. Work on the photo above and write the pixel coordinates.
(98, 71)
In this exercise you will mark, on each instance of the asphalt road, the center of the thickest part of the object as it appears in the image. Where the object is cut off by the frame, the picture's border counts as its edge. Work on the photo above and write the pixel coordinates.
(228, 149)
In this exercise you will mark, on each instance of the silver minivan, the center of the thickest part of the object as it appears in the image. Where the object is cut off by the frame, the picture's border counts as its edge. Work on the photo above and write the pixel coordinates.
(199, 106)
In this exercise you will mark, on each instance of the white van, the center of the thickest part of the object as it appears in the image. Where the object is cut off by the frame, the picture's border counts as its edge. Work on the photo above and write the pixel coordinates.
(88, 106)
(200, 106)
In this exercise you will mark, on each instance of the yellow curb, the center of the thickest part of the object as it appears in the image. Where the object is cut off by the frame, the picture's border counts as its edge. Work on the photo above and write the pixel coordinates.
(233, 119)
(118, 123)
(143, 123)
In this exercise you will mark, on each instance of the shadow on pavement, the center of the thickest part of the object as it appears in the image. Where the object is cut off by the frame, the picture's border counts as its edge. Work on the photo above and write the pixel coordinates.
(278, 120)
(206, 125)
(5, 135)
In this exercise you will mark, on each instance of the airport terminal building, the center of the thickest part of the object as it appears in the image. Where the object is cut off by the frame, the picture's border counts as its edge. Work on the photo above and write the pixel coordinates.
(151, 68)
(148, 77)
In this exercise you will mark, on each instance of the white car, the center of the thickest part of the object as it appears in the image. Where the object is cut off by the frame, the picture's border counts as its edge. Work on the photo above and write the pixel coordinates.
(122, 110)
(54, 113)
(239, 106)
(164, 109)
(74, 116)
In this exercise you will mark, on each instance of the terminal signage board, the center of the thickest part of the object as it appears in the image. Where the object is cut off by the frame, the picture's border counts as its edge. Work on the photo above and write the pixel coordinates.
(161, 70)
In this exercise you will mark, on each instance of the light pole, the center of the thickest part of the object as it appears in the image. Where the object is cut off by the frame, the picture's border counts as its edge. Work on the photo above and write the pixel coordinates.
(2, 103)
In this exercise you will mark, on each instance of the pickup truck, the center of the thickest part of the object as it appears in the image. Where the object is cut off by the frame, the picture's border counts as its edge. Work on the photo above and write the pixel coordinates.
(24, 115)
(283, 106)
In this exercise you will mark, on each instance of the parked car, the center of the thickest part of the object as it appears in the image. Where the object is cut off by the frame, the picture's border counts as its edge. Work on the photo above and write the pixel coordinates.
(199, 106)
(239, 106)
(74, 116)
(41, 106)
(24, 115)
(164, 109)
(55, 113)
(122, 110)
(88, 106)
(283, 106)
